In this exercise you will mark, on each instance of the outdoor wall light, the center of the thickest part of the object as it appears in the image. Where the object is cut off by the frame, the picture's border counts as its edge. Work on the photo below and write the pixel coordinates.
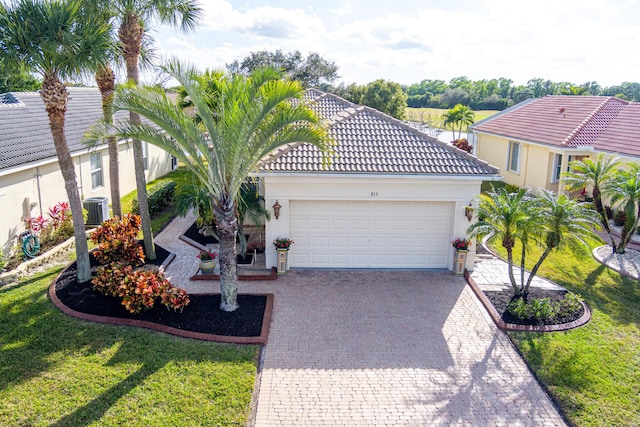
(468, 212)
(276, 209)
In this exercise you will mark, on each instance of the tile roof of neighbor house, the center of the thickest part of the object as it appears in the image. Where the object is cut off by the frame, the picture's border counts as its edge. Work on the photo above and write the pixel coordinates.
(368, 141)
(602, 123)
(25, 136)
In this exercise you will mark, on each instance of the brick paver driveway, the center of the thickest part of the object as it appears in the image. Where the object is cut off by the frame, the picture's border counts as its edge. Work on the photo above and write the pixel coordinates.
(390, 348)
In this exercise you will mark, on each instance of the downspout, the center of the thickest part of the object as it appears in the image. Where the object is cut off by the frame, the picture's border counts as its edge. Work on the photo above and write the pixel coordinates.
(526, 167)
(80, 185)
(37, 176)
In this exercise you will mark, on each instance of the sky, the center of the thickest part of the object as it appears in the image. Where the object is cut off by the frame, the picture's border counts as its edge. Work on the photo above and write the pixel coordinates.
(407, 41)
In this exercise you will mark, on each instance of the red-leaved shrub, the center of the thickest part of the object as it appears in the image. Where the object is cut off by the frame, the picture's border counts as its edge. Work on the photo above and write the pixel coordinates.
(117, 241)
(139, 289)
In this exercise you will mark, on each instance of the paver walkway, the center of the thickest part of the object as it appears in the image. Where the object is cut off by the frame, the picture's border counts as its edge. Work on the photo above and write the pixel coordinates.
(355, 348)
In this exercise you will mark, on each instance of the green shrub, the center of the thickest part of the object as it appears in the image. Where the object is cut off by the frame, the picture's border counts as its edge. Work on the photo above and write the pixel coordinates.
(160, 196)
(541, 309)
(571, 303)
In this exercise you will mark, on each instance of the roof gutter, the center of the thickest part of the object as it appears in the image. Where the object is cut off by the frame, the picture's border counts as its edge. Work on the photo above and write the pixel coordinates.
(488, 177)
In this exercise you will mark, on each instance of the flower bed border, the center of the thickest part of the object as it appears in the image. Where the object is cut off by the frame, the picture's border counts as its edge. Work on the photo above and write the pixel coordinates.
(501, 324)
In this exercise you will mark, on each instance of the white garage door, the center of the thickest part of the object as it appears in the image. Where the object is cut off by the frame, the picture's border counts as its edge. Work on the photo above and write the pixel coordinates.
(341, 234)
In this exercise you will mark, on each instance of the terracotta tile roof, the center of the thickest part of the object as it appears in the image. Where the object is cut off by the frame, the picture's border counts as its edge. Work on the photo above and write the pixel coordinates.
(599, 122)
(25, 136)
(368, 141)
(623, 133)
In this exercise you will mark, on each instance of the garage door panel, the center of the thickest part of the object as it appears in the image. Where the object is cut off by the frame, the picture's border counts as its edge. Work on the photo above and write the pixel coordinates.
(370, 234)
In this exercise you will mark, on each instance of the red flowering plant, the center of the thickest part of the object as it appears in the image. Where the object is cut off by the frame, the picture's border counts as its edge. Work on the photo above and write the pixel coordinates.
(283, 243)
(207, 255)
(35, 224)
(461, 244)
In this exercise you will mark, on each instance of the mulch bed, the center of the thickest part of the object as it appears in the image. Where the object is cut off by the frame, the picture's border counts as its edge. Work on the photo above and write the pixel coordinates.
(201, 319)
(500, 300)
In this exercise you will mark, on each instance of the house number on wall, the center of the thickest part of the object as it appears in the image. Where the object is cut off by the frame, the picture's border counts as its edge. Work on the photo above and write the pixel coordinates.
(374, 194)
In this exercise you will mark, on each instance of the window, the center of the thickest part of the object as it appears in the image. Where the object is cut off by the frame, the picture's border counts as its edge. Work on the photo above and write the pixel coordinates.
(513, 162)
(96, 170)
(557, 168)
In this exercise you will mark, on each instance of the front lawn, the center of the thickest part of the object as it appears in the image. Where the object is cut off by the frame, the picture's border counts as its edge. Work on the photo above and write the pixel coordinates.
(593, 372)
(59, 371)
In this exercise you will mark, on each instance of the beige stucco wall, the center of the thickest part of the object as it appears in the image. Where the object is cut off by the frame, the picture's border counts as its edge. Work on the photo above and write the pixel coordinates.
(285, 188)
(19, 195)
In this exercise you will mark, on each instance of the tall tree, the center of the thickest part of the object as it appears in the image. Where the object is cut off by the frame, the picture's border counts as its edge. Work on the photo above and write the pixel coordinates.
(135, 17)
(15, 77)
(385, 96)
(54, 39)
(598, 175)
(255, 117)
(311, 71)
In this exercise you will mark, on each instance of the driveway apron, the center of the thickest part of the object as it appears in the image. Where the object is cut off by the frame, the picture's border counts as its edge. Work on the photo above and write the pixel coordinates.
(390, 348)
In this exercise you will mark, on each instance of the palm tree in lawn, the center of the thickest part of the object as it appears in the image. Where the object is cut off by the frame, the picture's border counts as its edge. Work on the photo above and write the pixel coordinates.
(625, 189)
(55, 39)
(597, 175)
(509, 218)
(255, 117)
(564, 222)
(134, 17)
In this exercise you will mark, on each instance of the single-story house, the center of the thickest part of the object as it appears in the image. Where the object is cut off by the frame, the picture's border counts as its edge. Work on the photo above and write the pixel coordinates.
(30, 177)
(392, 196)
(533, 142)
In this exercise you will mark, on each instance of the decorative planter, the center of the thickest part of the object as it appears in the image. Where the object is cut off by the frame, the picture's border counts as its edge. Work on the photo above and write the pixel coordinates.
(207, 267)
(282, 260)
(459, 262)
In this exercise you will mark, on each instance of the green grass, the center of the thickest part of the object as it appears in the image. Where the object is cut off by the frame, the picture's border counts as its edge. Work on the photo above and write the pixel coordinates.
(435, 115)
(181, 176)
(60, 371)
(592, 371)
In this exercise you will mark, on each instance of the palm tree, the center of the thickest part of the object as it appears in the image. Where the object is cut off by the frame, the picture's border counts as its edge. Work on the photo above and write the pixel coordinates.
(134, 17)
(508, 217)
(597, 175)
(564, 222)
(460, 116)
(255, 117)
(54, 39)
(625, 189)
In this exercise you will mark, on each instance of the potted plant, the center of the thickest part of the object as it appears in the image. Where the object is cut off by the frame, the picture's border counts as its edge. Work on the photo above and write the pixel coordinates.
(282, 245)
(460, 257)
(207, 261)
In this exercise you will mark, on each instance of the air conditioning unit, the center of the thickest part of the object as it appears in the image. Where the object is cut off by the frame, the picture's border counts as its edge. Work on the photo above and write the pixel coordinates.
(98, 210)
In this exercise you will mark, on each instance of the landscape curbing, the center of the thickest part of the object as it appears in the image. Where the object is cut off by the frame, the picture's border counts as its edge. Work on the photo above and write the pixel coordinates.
(501, 324)
(259, 340)
(272, 275)
(619, 270)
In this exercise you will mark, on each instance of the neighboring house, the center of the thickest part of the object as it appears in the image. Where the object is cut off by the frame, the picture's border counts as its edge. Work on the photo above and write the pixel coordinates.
(392, 196)
(30, 177)
(533, 142)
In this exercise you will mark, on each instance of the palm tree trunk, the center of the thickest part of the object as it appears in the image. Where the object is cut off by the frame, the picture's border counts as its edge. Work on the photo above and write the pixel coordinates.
(106, 79)
(114, 176)
(227, 230)
(512, 278)
(534, 270)
(130, 34)
(54, 95)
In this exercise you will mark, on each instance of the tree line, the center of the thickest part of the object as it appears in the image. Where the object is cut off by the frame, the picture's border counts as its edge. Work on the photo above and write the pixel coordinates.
(498, 94)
